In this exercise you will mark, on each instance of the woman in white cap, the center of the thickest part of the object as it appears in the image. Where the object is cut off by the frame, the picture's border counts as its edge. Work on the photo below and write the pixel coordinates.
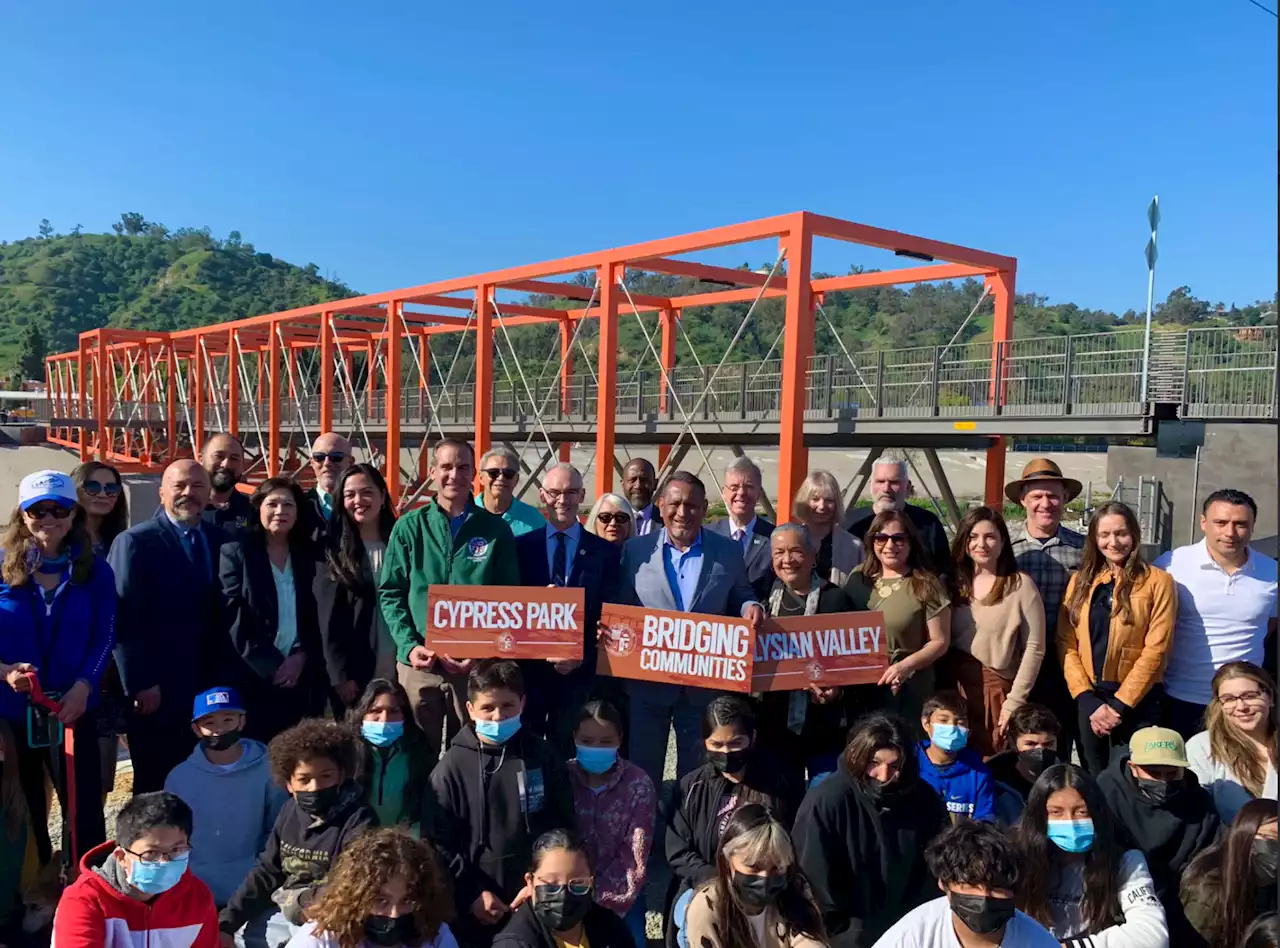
(57, 613)
(612, 518)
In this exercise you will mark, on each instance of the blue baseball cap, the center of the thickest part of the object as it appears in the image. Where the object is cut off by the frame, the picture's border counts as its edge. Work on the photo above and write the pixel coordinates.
(216, 699)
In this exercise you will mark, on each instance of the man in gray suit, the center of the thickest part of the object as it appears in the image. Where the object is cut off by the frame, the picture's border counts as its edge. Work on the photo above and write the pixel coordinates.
(741, 492)
(683, 568)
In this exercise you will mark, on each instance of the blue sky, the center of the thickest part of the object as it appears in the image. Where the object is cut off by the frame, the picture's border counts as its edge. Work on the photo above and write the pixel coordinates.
(398, 143)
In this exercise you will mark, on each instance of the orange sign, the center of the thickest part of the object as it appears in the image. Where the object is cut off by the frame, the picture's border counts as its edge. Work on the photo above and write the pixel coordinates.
(843, 648)
(505, 621)
(678, 648)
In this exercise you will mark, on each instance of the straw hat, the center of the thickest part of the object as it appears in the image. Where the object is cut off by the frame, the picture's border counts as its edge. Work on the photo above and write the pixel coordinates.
(1042, 469)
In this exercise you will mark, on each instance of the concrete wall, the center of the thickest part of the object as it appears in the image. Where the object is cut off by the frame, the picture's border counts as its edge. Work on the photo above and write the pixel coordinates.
(1238, 456)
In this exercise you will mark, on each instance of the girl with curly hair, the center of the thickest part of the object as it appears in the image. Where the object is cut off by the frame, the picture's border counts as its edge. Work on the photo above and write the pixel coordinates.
(387, 889)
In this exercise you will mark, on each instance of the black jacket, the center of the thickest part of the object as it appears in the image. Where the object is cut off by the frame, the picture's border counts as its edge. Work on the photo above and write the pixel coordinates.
(485, 827)
(603, 928)
(1012, 789)
(251, 612)
(865, 863)
(937, 549)
(234, 517)
(345, 617)
(1169, 835)
(300, 852)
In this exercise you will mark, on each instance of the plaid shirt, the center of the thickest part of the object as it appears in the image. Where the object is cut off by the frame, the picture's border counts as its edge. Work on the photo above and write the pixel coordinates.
(1050, 564)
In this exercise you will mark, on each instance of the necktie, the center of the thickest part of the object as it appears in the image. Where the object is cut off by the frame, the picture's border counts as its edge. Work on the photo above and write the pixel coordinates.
(739, 533)
(195, 549)
(558, 574)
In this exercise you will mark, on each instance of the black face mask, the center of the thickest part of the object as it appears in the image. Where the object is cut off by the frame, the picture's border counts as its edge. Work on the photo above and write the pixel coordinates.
(982, 914)
(1266, 853)
(885, 794)
(560, 910)
(387, 932)
(1037, 760)
(318, 802)
(220, 742)
(1158, 792)
(758, 891)
(729, 762)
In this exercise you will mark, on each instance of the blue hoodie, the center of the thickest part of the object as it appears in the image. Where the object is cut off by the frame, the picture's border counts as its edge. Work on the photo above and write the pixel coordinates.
(966, 785)
(234, 809)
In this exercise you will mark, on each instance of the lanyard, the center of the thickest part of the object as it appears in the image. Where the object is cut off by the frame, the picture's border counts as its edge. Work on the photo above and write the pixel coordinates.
(47, 614)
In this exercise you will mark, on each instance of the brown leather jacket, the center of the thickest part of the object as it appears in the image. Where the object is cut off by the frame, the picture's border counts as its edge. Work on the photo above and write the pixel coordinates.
(1137, 649)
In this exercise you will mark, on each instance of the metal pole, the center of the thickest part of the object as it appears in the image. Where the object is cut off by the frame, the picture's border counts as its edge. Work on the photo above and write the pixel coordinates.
(1153, 218)
(1195, 499)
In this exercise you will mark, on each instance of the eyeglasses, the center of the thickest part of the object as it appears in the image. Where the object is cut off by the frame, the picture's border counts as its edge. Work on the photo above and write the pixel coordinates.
(496, 472)
(575, 886)
(154, 856)
(618, 518)
(336, 457)
(884, 539)
(94, 488)
(1248, 697)
(56, 511)
(555, 495)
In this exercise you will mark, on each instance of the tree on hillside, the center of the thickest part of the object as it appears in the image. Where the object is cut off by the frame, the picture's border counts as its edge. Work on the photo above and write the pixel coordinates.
(46, 229)
(1182, 308)
(131, 224)
(31, 356)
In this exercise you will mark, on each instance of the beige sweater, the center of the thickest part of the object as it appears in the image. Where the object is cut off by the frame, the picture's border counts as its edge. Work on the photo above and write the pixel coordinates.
(1008, 637)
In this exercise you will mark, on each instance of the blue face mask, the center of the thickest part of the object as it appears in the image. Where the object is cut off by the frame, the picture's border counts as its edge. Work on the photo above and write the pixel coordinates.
(152, 878)
(382, 733)
(950, 737)
(1072, 836)
(499, 732)
(596, 760)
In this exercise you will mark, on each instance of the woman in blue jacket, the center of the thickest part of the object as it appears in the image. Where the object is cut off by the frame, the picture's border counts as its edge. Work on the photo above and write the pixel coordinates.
(57, 619)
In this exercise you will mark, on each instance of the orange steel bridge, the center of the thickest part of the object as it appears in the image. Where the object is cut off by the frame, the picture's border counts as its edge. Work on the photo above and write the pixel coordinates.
(140, 400)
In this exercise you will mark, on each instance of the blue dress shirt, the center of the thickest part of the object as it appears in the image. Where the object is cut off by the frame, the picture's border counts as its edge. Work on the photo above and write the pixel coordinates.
(571, 541)
(683, 570)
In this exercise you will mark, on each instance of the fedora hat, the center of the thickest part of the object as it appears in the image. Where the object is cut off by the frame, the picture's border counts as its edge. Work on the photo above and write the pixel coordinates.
(1037, 470)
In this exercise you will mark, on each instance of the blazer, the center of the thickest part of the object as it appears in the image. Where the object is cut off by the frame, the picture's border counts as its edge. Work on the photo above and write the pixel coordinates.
(345, 619)
(595, 570)
(167, 627)
(722, 585)
(847, 554)
(1137, 649)
(250, 610)
(757, 558)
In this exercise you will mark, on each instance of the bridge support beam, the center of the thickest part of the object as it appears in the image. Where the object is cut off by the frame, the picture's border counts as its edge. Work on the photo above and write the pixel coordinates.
(1002, 287)
(797, 347)
(326, 372)
(395, 324)
(484, 372)
(607, 372)
(566, 388)
(668, 353)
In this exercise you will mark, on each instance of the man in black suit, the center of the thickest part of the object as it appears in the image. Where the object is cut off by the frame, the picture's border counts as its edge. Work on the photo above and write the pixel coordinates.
(564, 554)
(890, 488)
(331, 455)
(639, 483)
(168, 646)
(741, 492)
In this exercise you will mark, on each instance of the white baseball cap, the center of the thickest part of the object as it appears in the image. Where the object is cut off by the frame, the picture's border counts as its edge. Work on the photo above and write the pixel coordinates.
(47, 485)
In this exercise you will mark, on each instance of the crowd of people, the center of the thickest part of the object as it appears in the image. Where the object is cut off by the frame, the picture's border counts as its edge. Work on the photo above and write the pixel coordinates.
(1069, 744)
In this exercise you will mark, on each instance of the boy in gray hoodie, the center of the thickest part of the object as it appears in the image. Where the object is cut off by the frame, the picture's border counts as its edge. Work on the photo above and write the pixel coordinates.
(227, 783)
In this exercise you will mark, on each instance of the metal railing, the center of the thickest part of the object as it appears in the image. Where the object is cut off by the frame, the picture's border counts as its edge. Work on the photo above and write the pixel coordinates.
(1220, 373)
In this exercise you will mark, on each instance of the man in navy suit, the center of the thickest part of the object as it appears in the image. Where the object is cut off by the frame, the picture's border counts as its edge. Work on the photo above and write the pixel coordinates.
(168, 647)
(639, 482)
(565, 555)
(741, 492)
(684, 568)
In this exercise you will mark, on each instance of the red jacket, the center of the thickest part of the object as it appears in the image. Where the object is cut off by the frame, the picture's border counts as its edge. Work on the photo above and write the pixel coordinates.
(95, 914)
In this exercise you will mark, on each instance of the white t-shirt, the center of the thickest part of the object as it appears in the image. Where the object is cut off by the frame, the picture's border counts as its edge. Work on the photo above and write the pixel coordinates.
(306, 937)
(930, 926)
(1229, 794)
(1221, 617)
(1144, 924)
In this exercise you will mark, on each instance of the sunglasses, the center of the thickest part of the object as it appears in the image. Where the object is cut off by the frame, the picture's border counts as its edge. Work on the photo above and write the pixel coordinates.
(56, 511)
(95, 488)
(337, 457)
(496, 472)
(618, 518)
(881, 539)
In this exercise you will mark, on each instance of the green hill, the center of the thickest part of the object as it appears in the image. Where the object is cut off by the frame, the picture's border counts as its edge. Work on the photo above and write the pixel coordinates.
(144, 276)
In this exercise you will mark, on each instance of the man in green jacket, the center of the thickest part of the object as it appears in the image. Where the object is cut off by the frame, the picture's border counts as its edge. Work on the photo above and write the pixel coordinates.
(453, 541)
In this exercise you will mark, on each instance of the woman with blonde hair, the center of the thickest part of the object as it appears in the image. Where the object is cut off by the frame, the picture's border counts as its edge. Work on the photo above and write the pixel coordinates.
(758, 896)
(612, 518)
(818, 506)
(1235, 759)
(1113, 634)
(387, 890)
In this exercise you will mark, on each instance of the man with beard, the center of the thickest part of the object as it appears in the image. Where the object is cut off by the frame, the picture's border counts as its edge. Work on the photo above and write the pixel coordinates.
(223, 460)
(639, 483)
(890, 488)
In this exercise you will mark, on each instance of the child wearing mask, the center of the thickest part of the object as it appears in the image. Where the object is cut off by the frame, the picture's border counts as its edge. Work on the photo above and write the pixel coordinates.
(387, 890)
(227, 783)
(498, 789)
(946, 764)
(561, 910)
(137, 890)
(758, 896)
(736, 772)
(1030, 748)
(315, 761)
(614, 802)
(393, 758)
